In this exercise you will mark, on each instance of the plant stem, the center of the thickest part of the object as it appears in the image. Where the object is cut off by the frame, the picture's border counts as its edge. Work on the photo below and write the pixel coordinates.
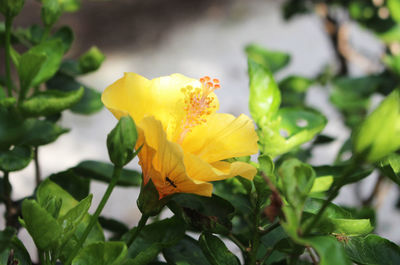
(37, 166)
(10, 210)
(9, 83)
(106, 196)
(136, 230)
(269, 228)
(255, 242)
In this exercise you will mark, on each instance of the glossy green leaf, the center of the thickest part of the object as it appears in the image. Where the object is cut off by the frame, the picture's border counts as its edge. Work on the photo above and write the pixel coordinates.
(272, 60)
(54, 51)
(12, 127)
(121, 141)
(379, 134)
(265, 96)
(351, 227)
(70, 181)
(50, 102)
(28, 68)
(43, 228)
(291, 128)
(332, 211)
(91, 100)
(41, 132)
(215, 250)
(185, 252)
(210, 214)
(102, 171)
(372, 250)
(91, 60)
(155, 237)
(15, 159)
(102, 253)
(390, 165)
(322, 184)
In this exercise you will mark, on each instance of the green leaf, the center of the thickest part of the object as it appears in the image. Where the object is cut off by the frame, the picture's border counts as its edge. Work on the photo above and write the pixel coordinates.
(149, 202)
(329, 250)
(371, 250)
(70, 5)
(70, 221)
(102, 253)
(70, 181)
(155, 237)
(5, 238)
(91, 60)
(379, 134)
(394, 9)
(7, 101)
(291, 128)
(272, 60)
(50, 102)
(186, 252)
(11, 8)
(293, 88)
(89, 103)
(20, 254)
(102, 171)
(15, 159)
(210, 214)
(390, 165)
(43, 228)
(51, 11)
(113, 225)
(12, 127)
(41, 132)
(322, 184)
(54, 51)
(66, 35)
(121, 141)
(215, 250)
(28, 68)
(265, 96)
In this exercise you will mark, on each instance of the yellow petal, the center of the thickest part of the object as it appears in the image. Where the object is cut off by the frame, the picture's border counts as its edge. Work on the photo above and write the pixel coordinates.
(161, 97)
(166, 167)
(222, 137)
(226, 170)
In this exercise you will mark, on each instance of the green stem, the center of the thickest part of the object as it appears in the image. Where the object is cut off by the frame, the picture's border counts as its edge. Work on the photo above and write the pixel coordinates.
(269, 228)
(9, 83)
(136, 230)
(93, 220)
(255, 242)
(37, 165)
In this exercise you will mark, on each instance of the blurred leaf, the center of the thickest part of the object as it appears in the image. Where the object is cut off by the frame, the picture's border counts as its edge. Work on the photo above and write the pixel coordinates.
(41, 132)
(272, 60)
(43, 228)
(296, 7)
(113, 225)
(12, 127)
(54, 51)
(101, 253)
(211, 214)
(89, 103)
(28, 68)
(5, 238)
(15, 159)
(50, 102)
(313, 205)
(7, 101)
(70, 5)
(394, 8)
(265, 97)
(322, 184)
(390, 165)
(102, 171)
(51, 11)
(77, 186)
(66, 35)
(91, 60)
(186, 252)
(155, 237)
(379, 134)
(215, 250)
(323, 139)
(372, 249)
(294, 90)
(11, 8)
(20, 254)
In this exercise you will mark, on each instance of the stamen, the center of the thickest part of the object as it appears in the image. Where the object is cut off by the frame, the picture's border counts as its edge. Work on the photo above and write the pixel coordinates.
(198, 104)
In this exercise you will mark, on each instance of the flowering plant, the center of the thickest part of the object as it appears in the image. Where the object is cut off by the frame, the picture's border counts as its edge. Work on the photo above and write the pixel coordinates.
(238, 190)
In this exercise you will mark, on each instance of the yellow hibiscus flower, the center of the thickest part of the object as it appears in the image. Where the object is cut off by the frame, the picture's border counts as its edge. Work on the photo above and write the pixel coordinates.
(184, 142)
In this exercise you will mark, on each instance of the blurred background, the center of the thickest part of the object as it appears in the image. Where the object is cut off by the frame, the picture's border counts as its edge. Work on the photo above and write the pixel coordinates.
(197, 38)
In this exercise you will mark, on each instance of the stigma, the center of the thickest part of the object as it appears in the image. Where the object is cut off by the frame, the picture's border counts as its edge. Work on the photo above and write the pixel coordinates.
(198, 104)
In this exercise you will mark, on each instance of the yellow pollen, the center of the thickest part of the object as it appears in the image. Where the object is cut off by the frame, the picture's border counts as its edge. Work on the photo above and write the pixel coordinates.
(198, 104)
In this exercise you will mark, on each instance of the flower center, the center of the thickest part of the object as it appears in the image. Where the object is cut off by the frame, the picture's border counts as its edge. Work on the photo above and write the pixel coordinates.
(198, 104)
